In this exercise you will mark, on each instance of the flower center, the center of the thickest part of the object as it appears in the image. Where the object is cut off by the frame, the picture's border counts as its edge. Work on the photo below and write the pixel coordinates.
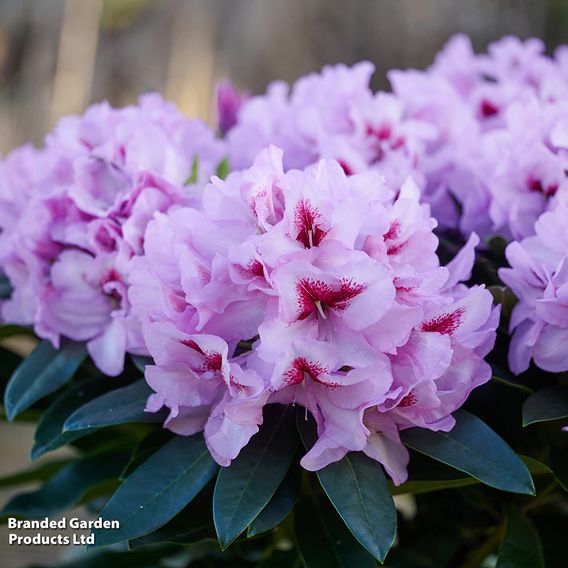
(307, 224)
(314, 295)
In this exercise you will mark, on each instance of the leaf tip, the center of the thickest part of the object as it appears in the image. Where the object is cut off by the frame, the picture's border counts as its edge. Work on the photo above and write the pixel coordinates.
(525, 487)
(225, 540)
(526, 422)
(223, 545)
(37, 451)
(10, 409)
(70, 425)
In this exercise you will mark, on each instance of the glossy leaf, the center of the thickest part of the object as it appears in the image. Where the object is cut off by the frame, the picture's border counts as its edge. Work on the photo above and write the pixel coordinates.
(41, 373)
(49, 434)
(66, 487)
(420, 485)
(147, 558)
(5, 287)
(558, 459)
(323, 540)
(546, 404)
(281, 559)
(15, 330)
(38, 473)
(140, 362)
(193, 524)
(281, 504)
(521, 546)
(159, 489)
(535, 467)
(9, 362)
(244, 488)
(471, 446)
(428, 486)
(357, 488)
(120, 406)
(147, 447)
(511, 384)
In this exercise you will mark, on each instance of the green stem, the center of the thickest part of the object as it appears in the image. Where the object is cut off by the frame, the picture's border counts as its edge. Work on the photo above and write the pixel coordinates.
(511, 384)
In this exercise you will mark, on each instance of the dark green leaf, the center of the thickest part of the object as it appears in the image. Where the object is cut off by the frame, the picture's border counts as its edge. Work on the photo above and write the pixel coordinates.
(497, 246)
(244, 488)
(324, 541)
(120, 406)
(141, 362)
(159, 489)
(42, 372)
(504, 296)
(5, 287)
(9, 362)
(559, 464)
(429, 483)
(282, 502)
(521, 547)
(546, 404)
(534, 466)
(13, 330)
(223, 168)
(147, 558)
(38, 473)
(49, 434)
(511, 384)
(148, 446)
(67, 486)
(281, 559)
(358, 489)
(193, 524)
(423, 486)
(471, 446)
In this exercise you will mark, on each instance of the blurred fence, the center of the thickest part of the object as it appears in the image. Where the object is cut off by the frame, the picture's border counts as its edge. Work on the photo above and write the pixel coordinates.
(56, 56)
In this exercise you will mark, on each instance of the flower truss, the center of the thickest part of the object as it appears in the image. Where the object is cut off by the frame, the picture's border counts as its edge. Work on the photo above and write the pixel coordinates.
(73, 215)
(337, 282)
(539, 278)
(321, 284)
(484, 136)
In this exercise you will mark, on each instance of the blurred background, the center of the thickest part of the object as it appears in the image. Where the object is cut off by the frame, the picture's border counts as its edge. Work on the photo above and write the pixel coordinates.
(57, 56)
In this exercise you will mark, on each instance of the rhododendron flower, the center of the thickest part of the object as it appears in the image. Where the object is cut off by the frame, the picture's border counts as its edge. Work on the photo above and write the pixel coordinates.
(335, 115)
(498, 117)
(314, 288)
(483, 136)
(73, 216)
(229, 101)
(539, 278)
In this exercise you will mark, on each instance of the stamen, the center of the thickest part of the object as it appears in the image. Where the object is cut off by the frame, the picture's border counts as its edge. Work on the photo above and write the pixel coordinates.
(311, 237)
(305, 397)
(320, 309)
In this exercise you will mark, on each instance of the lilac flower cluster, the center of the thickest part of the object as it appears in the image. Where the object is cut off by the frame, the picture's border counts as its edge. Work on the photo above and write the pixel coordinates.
(484, 136)
(73, 215)
(308, 276)
(539, 278)
(332, 115)
(501, 119)
(335, 283)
